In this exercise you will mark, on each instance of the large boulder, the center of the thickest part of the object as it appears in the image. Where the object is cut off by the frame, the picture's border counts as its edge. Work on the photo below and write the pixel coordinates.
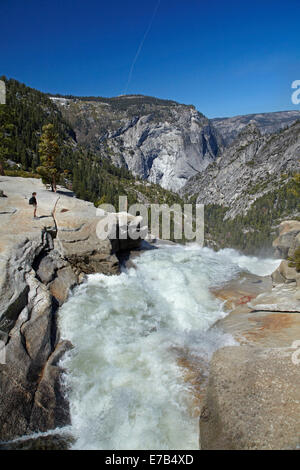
(285, 245)
(289, 232)
(284, 273)
(252, 401)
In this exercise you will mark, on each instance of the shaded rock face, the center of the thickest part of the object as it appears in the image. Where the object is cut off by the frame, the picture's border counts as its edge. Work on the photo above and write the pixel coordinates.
(32, 398)
(288, 239)
(250, 167)
(161, 141)
(284, 246)
(252, 400)
(47, 442)
(39, 264)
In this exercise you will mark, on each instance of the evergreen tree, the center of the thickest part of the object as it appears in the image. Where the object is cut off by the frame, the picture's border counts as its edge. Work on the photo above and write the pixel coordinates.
(296, 185)
(49, 152)
(6, 130)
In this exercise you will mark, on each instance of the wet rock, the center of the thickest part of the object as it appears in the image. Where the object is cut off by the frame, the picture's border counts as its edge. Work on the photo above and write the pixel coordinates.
(49, 442)
(50, 408)
(279, 299)
(252, 399)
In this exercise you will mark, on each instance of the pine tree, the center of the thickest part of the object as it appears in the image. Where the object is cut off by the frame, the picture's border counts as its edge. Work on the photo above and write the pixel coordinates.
(6, 130)
(296, 185)
(49, 152)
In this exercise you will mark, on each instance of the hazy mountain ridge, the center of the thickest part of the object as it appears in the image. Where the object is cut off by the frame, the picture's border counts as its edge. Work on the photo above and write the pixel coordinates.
(268, 123)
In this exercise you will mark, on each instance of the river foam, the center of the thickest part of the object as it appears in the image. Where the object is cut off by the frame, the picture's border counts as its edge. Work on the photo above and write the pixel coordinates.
(127, 390)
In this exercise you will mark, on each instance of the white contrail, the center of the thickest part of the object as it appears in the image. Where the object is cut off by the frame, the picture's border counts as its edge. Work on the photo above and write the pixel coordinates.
(141, 46)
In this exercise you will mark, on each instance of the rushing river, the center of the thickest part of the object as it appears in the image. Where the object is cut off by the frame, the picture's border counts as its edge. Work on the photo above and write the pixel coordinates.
(127, 387)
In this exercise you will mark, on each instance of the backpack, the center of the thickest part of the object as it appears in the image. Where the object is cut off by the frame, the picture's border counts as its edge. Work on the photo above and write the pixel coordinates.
(32, 200)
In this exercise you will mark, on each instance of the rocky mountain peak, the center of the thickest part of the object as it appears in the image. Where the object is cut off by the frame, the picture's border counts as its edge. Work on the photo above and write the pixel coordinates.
(268, 123)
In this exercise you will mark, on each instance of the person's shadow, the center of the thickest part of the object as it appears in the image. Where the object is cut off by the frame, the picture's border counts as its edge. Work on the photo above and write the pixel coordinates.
(65, 193)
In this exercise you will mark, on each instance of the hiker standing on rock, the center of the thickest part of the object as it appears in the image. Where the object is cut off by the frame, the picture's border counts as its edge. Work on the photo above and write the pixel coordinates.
(33, 202)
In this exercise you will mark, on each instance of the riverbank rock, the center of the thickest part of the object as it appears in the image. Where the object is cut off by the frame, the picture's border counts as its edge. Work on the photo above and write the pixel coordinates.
(253, 395)
(285, 246)
(40, 261)
(61, 441)
(253, 400)
(288, 238)
(282, 298)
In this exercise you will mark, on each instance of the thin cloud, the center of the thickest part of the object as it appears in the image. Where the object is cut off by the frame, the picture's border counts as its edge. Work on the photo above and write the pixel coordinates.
(139, 49)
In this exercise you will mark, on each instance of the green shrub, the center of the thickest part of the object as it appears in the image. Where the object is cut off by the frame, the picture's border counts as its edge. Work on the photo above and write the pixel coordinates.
(295, 260)
(22, 173)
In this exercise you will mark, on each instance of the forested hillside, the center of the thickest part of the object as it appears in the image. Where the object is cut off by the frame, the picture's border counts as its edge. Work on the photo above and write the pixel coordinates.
(26, 111)
(254, 231)
(92, 177)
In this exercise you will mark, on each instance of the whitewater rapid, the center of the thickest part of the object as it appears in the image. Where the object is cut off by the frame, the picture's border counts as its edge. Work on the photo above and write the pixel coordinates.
(126, 387)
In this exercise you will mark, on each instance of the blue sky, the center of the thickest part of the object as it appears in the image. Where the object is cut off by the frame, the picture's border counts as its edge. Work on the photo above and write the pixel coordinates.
(226, 57)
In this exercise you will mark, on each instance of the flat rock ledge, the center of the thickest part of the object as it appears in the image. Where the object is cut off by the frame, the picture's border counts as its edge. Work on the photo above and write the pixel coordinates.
(253, 394)
(253, 400)
(41, 260)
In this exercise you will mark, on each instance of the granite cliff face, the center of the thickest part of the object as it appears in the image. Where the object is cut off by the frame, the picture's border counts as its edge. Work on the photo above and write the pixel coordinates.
(253, 165)
(159, 140)
(178, 148)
